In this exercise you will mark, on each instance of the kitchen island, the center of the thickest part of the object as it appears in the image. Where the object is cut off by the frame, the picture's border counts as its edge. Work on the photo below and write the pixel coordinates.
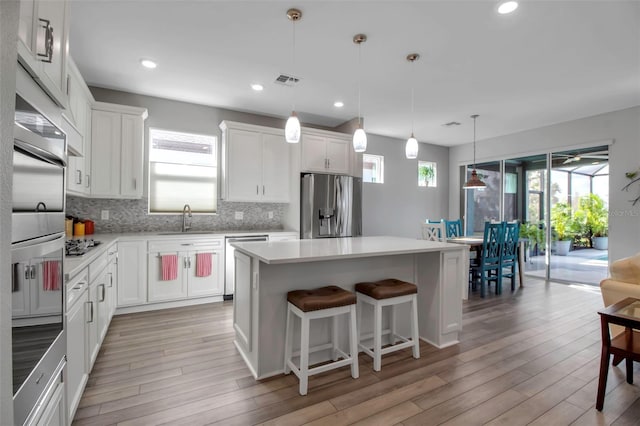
(266, 271)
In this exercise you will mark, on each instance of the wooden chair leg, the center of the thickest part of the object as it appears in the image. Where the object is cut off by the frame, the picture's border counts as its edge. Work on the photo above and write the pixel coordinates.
(617, 359)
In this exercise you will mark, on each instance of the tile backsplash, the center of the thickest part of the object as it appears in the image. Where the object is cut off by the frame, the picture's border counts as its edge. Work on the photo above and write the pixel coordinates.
(133, 216)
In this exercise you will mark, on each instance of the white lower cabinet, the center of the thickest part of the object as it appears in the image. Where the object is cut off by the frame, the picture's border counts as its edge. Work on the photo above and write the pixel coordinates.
(132, 273)
(185, 282)
(77, 339)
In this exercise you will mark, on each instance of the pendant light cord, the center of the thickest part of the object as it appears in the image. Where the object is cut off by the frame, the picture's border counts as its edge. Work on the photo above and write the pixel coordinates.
(359, 79)
(412, 97)
(293, 60)
(474, 142)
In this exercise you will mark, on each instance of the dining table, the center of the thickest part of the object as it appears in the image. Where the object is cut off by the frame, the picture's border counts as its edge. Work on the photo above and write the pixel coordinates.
(475, 244)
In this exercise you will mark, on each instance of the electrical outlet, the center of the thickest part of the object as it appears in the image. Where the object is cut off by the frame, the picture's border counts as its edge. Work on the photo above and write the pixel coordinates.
(104, 215)
(270, 215)
(239, 215)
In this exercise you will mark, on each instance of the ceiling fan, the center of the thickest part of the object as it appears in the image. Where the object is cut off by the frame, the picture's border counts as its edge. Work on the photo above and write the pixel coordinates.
(599, 155)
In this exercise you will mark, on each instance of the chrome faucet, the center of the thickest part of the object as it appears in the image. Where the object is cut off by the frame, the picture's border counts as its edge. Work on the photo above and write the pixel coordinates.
(186, 212)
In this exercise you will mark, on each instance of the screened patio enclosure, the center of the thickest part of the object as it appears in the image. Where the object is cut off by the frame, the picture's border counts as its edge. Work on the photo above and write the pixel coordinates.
(555, 197)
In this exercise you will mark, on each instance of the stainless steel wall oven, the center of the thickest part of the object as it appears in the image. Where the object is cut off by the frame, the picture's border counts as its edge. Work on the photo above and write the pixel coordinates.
(37, 254)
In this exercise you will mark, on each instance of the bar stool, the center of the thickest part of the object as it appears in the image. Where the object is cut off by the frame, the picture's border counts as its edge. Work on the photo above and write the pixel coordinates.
(389, 292)
(324, 302)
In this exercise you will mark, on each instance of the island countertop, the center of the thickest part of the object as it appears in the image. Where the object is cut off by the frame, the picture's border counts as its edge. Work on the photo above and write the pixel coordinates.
(277, 252)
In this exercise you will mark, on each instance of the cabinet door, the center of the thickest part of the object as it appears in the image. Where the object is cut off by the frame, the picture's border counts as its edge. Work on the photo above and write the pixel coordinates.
(112, 284)
(54, 73)
(338, 155)
(86, 190)
(162, 290)
(77, 371)
(105, 153)
(275, 169)
(212, 284)
(76, 178)
(244, 165)
(26, 23)
(131, 156)
(314, 153)
(93, 344)
(102, 305)
(132, 273)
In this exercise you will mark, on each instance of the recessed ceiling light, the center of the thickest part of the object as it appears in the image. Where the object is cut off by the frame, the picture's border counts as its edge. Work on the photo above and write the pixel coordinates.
(338, 104)
(257, 87)
(507, 7)
(148, 63)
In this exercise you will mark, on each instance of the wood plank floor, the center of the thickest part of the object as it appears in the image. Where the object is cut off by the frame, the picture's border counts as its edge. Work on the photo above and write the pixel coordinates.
(528, 357)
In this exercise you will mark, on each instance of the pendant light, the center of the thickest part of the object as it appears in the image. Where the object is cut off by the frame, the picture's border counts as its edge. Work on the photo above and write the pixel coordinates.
(359, 136)
(474, 182)
(411, 148)
(292, 128)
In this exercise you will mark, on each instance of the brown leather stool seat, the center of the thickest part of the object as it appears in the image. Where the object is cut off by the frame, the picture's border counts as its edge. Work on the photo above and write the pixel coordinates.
(321, 298)
(386, 289)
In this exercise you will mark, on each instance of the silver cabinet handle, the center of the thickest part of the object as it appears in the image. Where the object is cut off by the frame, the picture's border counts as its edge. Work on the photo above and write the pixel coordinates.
(184, 262)
(110, 279)
(78, 177)
(103, 293)
(33, 272)
(47, 56)
(91, 311)
(135, 183)
(26, 272)
(262, 189)
(87, 183)
(186, 244)
(15, 276)
(257, 190)
(328, 163)
(188, 262)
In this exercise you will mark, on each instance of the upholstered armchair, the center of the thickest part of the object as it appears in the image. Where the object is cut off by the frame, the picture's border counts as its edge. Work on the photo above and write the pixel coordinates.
(624, 282)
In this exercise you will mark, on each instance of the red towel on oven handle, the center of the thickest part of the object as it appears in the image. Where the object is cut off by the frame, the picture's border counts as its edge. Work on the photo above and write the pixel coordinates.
(51, 275)
(203, 264)
(169, 263)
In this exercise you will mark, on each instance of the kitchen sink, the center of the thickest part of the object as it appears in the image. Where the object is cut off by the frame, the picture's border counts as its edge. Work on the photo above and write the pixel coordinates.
(186, 233)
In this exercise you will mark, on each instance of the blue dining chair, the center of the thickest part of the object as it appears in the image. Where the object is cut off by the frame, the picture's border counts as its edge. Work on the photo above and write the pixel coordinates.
(453, 228)
(509, 255)
(488, 267)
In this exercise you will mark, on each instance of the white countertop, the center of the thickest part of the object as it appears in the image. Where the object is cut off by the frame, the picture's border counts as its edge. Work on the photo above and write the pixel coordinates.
(299, 251)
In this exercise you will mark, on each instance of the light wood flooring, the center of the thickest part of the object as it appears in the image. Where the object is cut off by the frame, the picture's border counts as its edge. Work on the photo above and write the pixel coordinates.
(529, 357)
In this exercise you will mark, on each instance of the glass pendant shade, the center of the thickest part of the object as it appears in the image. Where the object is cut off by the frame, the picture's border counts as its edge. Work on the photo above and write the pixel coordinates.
(292, 129)
(359, 140)
(411, 148)
(474, 182)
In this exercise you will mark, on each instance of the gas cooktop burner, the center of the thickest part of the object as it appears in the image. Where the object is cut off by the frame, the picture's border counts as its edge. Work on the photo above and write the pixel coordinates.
(79, 247)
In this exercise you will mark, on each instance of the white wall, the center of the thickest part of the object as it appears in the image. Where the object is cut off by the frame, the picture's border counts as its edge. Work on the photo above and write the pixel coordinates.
(8, 61)
(623, 127)
(398, 206)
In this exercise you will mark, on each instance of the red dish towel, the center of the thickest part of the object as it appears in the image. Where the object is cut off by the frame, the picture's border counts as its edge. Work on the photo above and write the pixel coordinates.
(51, 275)
(169, 267)
(203, 264)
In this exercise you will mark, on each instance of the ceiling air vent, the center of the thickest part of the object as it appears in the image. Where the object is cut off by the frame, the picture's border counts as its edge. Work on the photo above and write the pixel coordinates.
(451, 123)
(287, 80)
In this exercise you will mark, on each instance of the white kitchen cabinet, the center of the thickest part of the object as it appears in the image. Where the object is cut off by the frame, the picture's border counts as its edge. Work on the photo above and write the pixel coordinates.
(255, 163)
(186, 284)
(325, 152)
(112, 279)
(93, 343)
(43, 44)
(77, 340)
(132, 273)
(117, 146)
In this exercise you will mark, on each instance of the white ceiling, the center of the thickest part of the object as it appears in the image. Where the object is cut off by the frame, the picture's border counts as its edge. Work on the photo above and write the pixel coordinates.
(548, 62)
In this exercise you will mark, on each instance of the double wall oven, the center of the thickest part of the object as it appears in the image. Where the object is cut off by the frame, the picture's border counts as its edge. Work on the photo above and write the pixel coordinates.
(37, 254)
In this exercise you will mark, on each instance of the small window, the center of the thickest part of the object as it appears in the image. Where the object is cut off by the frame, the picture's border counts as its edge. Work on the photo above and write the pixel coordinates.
(372, 168)
(427, 174)
(182, 170)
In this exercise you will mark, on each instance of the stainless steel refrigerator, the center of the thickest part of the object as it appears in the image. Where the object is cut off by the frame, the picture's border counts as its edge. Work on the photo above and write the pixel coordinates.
(330, 206)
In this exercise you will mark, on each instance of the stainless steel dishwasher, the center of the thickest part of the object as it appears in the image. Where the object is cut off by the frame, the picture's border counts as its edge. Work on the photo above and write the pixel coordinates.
(229, 272)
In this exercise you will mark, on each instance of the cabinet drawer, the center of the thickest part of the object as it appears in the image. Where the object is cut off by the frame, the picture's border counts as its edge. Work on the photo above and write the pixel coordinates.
(97, 266)
(76, 288)
(185, 245)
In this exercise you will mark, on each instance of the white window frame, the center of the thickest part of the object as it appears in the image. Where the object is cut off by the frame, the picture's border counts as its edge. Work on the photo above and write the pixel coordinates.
(432, 183)
(379, 159)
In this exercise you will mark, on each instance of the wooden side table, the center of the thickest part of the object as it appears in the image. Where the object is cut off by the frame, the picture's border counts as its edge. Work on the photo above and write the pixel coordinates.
(624, 346)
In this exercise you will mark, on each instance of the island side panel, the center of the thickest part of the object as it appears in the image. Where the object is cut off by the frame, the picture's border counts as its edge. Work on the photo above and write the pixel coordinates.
(244, 318)
(275, 280)
(440, 278)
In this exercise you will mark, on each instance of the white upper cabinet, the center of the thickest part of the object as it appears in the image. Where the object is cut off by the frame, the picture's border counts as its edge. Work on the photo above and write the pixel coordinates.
(117, 146)
(43, 44)
(326, 152)
(256, 162)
